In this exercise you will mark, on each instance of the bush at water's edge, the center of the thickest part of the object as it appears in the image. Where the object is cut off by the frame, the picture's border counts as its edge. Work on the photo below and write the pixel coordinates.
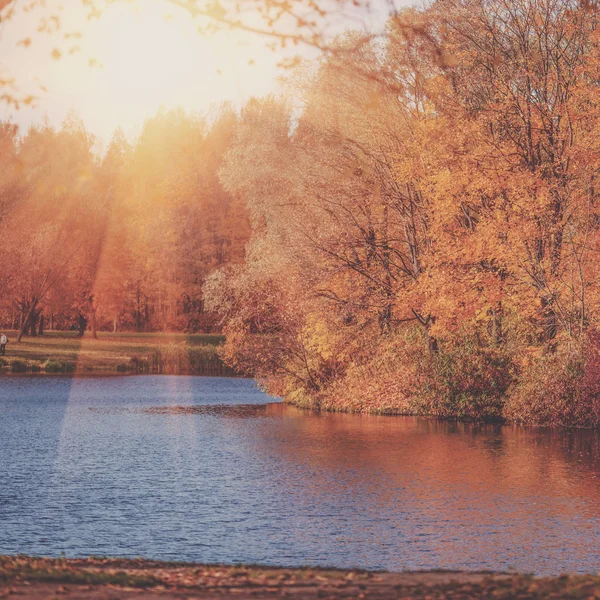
(560, 388)
(401, 377)
(180, 359)
(469, 382)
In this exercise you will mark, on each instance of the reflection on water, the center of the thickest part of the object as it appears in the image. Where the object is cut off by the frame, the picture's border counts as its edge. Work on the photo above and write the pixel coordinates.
(243, 411)
(208, 470)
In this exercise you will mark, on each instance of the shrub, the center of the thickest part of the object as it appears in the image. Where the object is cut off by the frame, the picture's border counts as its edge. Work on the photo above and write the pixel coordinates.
(19, 366)
(53, 366)
(561, 388)
(181, 358)
(401, 376)
(465, 381)
(139, 364)
(380, 379)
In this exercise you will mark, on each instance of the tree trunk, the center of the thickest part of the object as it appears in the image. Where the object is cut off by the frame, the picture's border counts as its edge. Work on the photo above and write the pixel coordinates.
(52, 322)
(495, 326)
(432, 344)
(549, 320)
(115, 324)
(41, 327)
(82, 325)
(137, 312)
(26, 320)
(93, 323)
(33, 319)
(146, 312)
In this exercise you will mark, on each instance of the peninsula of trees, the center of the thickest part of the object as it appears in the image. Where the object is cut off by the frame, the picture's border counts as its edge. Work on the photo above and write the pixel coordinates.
(426, 229)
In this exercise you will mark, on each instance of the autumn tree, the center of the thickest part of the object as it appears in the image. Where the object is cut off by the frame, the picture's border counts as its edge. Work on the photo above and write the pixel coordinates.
(339, 198)
(45, 230)
(11, 193)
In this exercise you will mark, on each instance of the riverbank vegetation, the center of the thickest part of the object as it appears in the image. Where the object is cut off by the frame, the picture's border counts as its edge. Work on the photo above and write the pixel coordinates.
(66, 352)
(426, 230)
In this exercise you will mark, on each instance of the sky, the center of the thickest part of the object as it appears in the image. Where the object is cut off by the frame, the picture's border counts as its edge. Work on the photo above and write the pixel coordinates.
(139, 55)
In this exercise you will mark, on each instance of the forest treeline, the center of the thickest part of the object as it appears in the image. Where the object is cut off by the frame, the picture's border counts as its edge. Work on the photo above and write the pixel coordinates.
(426, 220)
(413, 227)
(120, 240)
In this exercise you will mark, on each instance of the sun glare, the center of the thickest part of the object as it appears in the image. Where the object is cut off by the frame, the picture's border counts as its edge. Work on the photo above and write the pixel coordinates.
(133, 60)
(148, 56)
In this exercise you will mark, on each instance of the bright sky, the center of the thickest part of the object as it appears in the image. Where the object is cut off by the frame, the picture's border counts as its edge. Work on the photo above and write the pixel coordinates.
(148, 54)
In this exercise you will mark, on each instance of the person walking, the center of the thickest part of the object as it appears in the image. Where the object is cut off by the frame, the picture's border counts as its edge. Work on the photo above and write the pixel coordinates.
(3, 342)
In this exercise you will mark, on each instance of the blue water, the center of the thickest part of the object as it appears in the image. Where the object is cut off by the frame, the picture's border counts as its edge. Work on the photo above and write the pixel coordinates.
(210, 470)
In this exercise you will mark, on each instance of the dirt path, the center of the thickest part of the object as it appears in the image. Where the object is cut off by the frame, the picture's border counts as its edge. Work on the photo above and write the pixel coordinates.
(27, 579)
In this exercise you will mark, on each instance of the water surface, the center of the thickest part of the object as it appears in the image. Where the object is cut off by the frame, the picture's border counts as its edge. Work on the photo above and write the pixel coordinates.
(210, 470)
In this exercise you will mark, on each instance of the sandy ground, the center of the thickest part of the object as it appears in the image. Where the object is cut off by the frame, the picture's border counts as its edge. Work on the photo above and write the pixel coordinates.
(28, 578)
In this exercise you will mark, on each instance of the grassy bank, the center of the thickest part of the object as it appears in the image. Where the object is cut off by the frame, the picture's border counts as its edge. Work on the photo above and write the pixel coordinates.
(66, 352)
(29, 578)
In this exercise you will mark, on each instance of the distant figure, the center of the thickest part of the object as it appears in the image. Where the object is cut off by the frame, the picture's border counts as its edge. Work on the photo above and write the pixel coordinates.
(3, 342)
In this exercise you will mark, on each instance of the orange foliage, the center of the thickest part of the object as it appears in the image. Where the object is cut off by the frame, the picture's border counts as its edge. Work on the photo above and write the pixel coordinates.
(119, 241)
(439, 187)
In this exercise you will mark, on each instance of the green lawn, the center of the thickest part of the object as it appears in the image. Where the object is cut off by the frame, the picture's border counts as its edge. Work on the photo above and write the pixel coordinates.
(108, 352)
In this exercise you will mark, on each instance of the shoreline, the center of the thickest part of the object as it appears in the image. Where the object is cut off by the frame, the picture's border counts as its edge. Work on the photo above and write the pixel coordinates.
(61, 353)
(107, 373)
(66, 353)
(30, 577)
(83, 374)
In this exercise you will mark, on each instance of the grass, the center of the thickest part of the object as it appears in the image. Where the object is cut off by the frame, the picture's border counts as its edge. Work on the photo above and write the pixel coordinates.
(66, 352)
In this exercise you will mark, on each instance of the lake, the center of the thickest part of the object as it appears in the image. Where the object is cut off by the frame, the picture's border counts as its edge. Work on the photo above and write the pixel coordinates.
(212, 470)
